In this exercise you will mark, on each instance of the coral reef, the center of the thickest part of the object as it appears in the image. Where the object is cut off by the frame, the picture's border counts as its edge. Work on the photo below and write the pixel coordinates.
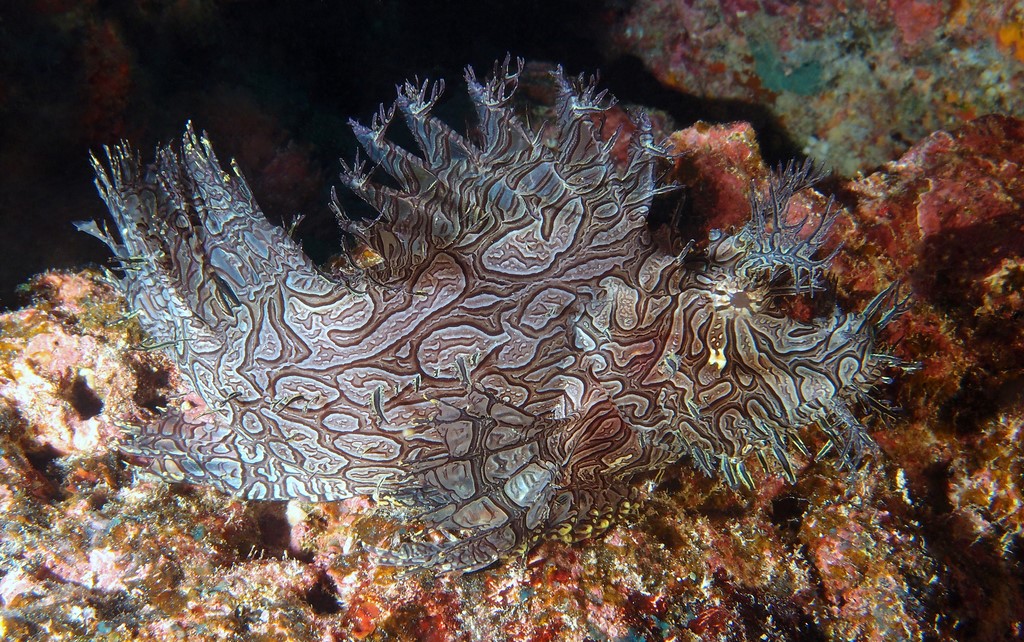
(925, 544)
(852, 83)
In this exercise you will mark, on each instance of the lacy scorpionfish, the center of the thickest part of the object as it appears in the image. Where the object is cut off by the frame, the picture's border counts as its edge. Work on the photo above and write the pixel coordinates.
(506, 347)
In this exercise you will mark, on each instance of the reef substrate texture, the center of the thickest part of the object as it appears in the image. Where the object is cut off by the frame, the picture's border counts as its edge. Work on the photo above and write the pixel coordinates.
(923, 544)
(853, 83)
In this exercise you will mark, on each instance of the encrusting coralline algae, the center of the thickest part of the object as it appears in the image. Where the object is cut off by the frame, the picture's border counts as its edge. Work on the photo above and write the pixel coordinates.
(506, 349)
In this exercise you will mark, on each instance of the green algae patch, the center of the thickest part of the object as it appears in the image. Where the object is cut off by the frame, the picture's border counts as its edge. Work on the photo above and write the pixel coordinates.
(804, 79)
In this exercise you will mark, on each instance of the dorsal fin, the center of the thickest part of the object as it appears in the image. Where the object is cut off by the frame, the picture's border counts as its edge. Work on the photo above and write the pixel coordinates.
(509, 200)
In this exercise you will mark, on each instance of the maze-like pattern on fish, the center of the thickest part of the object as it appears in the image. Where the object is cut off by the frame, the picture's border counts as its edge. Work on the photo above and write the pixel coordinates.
(505, 347)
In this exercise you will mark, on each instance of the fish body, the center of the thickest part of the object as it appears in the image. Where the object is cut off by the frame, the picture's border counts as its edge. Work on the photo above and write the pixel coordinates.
(506, 348)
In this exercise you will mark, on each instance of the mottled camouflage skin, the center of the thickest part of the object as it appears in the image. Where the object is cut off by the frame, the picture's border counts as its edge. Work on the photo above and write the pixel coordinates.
(506, 349)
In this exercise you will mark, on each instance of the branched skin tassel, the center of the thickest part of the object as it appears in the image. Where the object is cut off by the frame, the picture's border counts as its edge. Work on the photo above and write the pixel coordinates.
(507, 348)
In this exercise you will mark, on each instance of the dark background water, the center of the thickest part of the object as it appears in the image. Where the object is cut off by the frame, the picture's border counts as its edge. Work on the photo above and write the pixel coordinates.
(273, 82)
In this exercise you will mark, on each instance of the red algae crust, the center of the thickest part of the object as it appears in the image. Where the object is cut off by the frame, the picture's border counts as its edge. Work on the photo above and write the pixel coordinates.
(922, 544)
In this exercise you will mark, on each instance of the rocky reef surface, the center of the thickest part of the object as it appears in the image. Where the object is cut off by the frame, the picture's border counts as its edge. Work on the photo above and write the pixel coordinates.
(923, 543)
(853, 83)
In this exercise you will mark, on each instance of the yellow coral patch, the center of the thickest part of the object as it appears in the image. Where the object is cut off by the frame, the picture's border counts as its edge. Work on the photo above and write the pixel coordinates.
(1011, 36)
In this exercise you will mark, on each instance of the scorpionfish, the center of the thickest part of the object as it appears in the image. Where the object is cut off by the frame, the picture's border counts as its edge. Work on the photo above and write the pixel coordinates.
(504, 348)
